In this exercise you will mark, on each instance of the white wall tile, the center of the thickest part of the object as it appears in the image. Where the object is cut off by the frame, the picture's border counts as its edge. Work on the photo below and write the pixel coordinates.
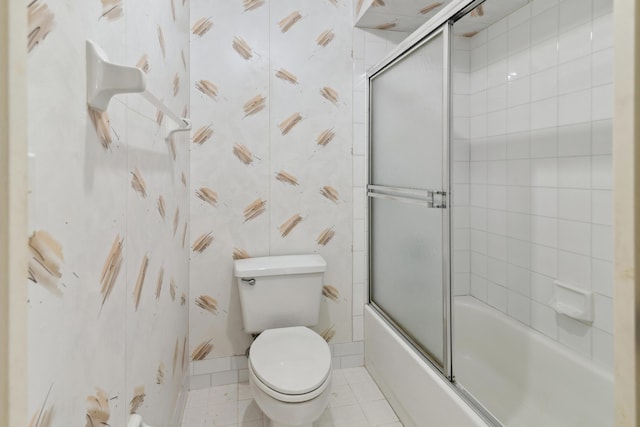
(519, 226)
(497, 296)
(574, 237)
(574, 172)
(541, 288)
(497, 48)
(518, 66)
(497, 172)
(495, 75)
(544, 55)
(574, 204)
(544, 25)
(544, 84)
(348, 349)
(544, 143)
(461, 283)
(601, 174)
(518, 172)
(518, 91)
(544, 172)
(519, 307)
(478, 264)
(497, 197)
(358, 328)
(497, 123)
(602, 277)
(497, 97)
(544, 113)
(497, 271)
(211, 365)
(518, 145)
(519, 37)
(602, 102)
(496, 222)
(518, 199)
(601, 134)
(543, 319)
(478, 79)
(603, 313)
(519, 253)
(544, 260)
(602, 236)
(544, 201)
(574, 269)
(520, 16)
(544, 231)
(518, 280)
(574, 140)
(498, 28)
(602, 32)
(574, 43)
(518, 118)
(602, 7)
(574, 75)
(479, 287)
(574, 107)
(200, 381)
(602, 67)
(224, 378)
(573, 13)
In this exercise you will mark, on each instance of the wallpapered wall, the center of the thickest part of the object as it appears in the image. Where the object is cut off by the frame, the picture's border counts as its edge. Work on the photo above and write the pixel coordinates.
(271, 164)
(109, 215)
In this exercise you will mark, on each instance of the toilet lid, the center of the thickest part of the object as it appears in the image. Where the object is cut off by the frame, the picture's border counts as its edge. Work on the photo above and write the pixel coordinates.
(292, 360)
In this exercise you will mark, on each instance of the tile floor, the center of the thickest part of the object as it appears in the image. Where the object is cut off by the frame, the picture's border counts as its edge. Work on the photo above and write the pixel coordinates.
(355, 401)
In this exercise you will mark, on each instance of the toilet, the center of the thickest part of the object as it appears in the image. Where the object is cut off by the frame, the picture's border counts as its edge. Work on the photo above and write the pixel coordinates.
(289, 364)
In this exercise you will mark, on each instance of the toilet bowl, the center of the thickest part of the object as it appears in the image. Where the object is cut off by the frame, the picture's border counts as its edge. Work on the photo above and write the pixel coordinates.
(290, 375)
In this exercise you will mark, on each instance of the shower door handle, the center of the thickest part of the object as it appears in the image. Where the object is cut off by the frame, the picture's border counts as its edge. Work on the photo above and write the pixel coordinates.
(429, 198)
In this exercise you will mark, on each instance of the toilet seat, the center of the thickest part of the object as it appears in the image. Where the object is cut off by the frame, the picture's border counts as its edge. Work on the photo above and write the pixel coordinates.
(290, 364)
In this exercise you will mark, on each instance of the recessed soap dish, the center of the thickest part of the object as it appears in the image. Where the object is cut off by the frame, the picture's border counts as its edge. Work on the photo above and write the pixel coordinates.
(572, 302)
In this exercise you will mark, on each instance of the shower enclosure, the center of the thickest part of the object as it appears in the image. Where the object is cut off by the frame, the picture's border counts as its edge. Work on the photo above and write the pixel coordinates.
(490, 205)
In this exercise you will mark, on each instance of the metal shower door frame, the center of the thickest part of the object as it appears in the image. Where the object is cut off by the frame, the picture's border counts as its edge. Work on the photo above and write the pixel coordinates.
(422, 197)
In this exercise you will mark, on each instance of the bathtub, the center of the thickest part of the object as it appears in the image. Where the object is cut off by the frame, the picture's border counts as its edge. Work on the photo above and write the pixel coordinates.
(521, 376)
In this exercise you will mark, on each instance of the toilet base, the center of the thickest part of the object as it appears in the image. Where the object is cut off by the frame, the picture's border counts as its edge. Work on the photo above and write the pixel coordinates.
(300, 414)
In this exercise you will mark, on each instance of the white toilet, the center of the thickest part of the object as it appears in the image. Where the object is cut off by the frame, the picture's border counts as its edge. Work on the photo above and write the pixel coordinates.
(289, 364)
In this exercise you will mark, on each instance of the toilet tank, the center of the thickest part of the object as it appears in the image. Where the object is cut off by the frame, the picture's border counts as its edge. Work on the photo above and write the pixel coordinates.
(279, 291)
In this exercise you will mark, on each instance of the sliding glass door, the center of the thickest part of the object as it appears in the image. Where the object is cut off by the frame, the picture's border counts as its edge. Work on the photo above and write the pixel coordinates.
(407, 191)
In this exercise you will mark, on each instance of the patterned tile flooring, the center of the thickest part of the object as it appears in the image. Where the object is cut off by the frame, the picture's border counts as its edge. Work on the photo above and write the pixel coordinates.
(355, 401)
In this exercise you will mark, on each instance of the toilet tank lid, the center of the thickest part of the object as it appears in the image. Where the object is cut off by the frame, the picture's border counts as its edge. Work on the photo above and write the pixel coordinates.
(279, 265)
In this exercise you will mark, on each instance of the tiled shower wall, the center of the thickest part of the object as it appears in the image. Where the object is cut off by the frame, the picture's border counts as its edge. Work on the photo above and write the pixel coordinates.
(271, 167)
(539, 178)
(108, 321)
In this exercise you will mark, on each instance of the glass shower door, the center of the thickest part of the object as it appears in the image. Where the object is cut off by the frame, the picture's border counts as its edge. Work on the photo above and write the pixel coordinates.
(408, 184)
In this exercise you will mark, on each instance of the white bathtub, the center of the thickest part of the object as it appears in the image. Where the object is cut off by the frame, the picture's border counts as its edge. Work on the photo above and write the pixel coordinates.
(524, 378)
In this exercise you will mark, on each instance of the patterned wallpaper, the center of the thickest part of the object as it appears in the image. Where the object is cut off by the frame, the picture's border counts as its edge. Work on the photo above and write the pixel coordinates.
(271, 161)
(109, 218)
